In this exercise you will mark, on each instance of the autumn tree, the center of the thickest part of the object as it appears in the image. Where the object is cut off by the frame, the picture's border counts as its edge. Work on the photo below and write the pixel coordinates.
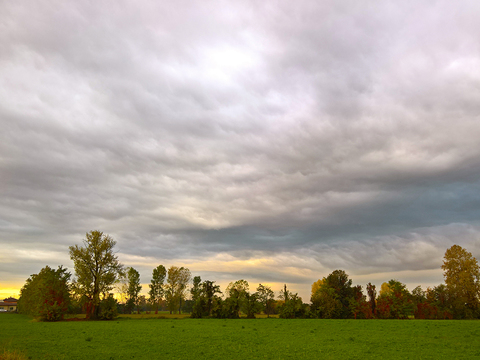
(46, 295)
(462, 278)
(156, 285)
(176, 287)
(133, 291)
(429, 304)
(420, 304)
(394, 301)
(315, 286)
(358, 304)
(384, 289)
(96, 268)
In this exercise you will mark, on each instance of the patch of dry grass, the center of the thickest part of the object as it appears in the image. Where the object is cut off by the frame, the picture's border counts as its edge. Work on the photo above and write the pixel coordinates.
(12, 355)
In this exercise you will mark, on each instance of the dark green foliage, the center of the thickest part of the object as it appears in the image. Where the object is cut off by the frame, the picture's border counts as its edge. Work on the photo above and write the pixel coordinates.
(231, 306)
(291, 306)
(239, 300)
(252, 306)
(218, 308)
(196, 289)
(438, 300)
(129, 306)
(188, 306)
(199, 309)
(156, 285)
(46, 295)
(133, 290)
(266, 298)
(205, 296)
(342, 286)
(209, 293)
(108, 308)
(326, 303)
(336, 298)
(294, 308)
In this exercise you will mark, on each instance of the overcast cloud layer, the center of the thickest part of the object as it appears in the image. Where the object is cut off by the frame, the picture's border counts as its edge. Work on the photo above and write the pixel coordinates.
(274, 142)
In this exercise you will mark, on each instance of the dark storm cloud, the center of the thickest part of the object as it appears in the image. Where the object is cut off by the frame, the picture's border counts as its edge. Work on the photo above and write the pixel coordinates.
(344, 134)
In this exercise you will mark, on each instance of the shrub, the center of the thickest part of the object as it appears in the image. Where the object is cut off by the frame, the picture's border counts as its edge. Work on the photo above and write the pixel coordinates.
(108, 308)
(46, 295)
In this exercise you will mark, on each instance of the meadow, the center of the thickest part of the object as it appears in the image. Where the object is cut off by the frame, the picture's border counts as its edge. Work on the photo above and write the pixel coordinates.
(185, 338)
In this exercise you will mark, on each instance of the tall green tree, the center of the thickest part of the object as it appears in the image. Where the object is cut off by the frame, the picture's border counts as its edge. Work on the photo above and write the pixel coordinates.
(251, 305)
(96, 268)
(209, 292)
(196, 289)
(334, 296)
(205, 297)
(156, 285)
(326, 303)
(46, 295)
(236, 300)
(462, 278)
(133, 291)
(176, 287)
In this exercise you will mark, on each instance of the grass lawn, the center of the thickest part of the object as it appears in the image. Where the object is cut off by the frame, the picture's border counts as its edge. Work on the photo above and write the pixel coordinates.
(131, 338)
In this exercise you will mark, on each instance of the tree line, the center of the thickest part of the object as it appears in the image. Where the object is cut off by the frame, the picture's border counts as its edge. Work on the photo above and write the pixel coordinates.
(50, 294)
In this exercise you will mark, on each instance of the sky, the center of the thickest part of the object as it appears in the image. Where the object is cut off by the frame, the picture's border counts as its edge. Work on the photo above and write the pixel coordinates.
(268, 141)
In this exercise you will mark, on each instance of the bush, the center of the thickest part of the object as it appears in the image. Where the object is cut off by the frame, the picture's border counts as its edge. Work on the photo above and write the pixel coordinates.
(108, 308)
(46, 295)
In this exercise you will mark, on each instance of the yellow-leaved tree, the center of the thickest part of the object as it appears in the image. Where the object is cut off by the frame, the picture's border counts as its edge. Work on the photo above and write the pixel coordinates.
(462, 278)
(316, 285)
(385, 290)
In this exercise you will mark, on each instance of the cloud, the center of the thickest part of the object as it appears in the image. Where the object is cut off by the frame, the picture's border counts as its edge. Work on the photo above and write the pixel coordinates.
(335, 134)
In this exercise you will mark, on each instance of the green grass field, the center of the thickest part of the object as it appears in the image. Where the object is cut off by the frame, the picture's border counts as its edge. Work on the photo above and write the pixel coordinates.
(240, 339)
